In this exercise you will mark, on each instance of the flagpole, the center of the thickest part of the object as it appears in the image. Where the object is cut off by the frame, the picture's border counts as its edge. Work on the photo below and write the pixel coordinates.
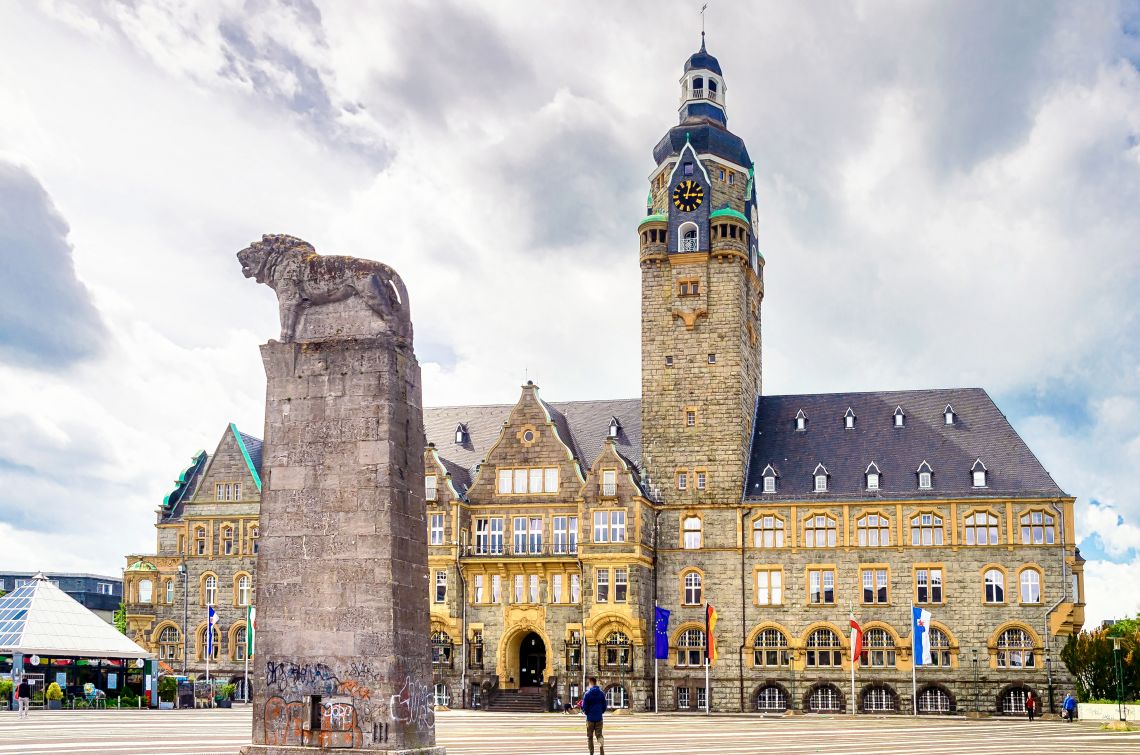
(914, 650)
(245, 682)
(708, 703)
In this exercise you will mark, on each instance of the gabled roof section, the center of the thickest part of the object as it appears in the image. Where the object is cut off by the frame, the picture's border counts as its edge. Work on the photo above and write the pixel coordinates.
(978, 466)
(872, 468)
(184, 485)
(40, 618)
(979, 431)
(769, 471)
(251, 451)
(582, 426)
(924, 467)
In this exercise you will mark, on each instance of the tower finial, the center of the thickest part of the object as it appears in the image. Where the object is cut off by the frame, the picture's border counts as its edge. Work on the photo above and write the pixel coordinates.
(703, 7)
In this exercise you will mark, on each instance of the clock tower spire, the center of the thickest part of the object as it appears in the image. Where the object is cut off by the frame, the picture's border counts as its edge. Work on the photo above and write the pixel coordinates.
(701, 289)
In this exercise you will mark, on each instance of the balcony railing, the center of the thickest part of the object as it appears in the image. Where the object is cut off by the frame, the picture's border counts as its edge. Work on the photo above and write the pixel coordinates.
(700, 93)
(690, 245)
(430, 494)
(609, 489)
(558, 549)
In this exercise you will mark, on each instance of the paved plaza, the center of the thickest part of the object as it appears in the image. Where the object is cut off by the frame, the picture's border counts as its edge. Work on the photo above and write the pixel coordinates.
(192, 732)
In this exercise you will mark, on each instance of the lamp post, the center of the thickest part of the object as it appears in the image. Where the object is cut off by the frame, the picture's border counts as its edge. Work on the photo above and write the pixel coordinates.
(974, 652)
(1049, 677)
(185, 613)
(1117, 654)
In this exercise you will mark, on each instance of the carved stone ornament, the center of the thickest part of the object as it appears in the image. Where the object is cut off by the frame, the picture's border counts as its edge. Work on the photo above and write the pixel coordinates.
(306, 282)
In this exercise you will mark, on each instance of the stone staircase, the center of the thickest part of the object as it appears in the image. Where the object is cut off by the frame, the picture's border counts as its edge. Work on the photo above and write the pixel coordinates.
(523, 700)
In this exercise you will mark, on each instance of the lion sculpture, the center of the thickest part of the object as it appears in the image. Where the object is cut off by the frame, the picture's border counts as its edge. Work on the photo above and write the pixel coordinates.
(302, 278)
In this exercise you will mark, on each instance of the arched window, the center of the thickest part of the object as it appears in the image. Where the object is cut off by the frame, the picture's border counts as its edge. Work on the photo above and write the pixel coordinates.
(698, 87)
(440, 649)
(215, 647)
(691, 648)
(442, 695)
(933, 700)
(823, 649)
(168, 585)
(770, 648)
(878, 649)
(712, 89)
(820, 532)
(210, 590)
(617, 651)
(692, 532)
(1015, 649)
(939, 647)
(692, 588)
(981, 528)
(1036, 528)
(880, 699)
(825, 699)
(254, 535)
(227, 541)
(617, 697)
(1013, 701)
(146, 591)
(169, 644)
(771, 699)
(243, 590)
(768, 532)
(874, 530)
(238, 642)
(1030, 586)
(689, 240)
(995, 586)
(200, 541)
(926, 529)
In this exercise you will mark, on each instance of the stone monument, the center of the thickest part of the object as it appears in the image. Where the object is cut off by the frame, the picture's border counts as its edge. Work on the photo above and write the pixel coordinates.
(342, 652)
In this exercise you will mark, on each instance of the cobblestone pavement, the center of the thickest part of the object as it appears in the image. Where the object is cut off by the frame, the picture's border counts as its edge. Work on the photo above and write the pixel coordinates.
(464, 733)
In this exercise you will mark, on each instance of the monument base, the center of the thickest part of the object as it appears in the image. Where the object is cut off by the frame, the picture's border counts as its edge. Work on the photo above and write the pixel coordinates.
(299, 750)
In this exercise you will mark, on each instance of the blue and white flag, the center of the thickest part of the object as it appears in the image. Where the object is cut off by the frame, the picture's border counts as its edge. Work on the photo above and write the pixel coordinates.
(212, 619)
(661, 633)
(920, 633)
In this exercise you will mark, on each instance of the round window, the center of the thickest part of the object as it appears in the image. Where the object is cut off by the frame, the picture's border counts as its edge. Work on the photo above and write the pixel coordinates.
(528, 436)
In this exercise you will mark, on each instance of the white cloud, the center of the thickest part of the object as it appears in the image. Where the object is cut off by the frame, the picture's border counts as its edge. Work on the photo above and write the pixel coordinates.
(1111, 591)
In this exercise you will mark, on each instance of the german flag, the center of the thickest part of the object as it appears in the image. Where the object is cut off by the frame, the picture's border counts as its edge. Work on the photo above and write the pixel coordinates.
(710, 629)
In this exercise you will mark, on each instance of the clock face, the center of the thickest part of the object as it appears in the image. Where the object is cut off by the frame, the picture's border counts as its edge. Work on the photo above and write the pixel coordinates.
(688, 195)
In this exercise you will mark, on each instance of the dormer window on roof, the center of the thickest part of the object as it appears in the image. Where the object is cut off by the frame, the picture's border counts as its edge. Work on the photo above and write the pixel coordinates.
(872, 474)
(615, 427)
(769, 475)
(460, 434)
(820, 478)
(925, 476)
(801, 420)
(900, 416)
(948, 414)
(978, 472)
(849, 419)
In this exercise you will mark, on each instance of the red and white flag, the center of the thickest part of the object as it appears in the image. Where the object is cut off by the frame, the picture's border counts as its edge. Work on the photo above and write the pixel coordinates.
(856, 640)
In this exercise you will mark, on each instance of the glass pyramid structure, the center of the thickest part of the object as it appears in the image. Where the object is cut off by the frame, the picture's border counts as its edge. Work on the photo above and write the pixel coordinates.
(39, 618)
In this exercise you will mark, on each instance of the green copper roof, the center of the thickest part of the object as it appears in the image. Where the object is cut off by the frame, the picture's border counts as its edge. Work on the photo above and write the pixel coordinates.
(245, 453)
(727, 212)
(659, 217)
(142, 566)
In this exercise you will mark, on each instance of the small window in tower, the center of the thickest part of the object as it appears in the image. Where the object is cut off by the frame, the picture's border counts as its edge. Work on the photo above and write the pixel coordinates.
(732, 231)
(722, 174)
(731, 175)
(669, 361)
(688, 169)
(723, 230)
(712, 358)
(690, 417)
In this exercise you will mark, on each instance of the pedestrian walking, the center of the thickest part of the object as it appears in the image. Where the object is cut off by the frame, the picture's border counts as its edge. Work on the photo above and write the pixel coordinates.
(1069, 707)
(594, 706)
(23, 697)
(1030, 704)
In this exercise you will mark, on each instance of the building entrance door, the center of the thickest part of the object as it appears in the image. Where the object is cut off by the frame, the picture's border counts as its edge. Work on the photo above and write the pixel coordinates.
(532, 661)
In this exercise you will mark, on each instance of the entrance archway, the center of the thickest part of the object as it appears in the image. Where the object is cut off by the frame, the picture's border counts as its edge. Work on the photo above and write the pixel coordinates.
(532, 660)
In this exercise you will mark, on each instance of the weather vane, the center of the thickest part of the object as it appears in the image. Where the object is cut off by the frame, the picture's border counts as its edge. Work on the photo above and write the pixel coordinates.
(703, 8)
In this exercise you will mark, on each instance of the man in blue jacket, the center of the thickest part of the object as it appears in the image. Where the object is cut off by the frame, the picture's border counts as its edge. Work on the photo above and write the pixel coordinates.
(594, 706)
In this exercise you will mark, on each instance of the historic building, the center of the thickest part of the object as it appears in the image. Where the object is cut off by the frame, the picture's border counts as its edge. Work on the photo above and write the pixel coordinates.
(555, 528)
(206, 556)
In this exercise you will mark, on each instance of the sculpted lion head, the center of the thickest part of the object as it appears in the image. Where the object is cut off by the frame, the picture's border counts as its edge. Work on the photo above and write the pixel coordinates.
(257, 259)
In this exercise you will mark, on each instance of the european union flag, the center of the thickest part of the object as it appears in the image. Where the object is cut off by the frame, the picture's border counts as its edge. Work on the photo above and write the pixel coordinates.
(661, 633)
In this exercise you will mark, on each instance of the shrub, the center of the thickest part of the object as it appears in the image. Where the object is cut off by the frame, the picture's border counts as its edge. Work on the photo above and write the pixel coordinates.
(6, 689)
(54, 692)
(226, 691)
(167, 689)
(1089, 657)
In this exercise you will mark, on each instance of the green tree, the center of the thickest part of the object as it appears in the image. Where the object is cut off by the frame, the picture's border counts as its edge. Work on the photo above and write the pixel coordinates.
(120, 618)
(1089, 657)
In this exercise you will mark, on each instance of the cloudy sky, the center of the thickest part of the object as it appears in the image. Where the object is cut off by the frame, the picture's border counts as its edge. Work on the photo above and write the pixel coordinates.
(948, 194)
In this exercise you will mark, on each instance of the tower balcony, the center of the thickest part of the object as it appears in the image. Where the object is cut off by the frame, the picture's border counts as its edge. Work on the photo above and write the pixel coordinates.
(701, 93)
(690, 245)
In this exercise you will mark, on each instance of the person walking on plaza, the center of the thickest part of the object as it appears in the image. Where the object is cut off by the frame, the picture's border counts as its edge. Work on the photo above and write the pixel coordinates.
(23, 697)
(1030, 704)
(594, 706)
(1069, 707)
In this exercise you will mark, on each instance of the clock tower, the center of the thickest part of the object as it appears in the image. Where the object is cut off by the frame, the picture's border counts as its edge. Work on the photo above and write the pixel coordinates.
(701, 289)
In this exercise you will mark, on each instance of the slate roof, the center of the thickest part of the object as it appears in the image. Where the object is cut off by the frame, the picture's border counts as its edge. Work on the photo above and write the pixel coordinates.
(702, 59)
(582, 425)
(980, 431)
(706, 137)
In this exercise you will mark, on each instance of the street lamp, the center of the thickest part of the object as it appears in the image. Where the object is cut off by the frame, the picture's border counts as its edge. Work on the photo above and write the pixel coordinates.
(1049, 677)
(974, 651)
(185, 613)
(1117, 655)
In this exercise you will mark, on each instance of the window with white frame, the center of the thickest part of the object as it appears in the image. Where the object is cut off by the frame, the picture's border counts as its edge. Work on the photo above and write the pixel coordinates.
(994, 581)
(769, 587)
(825, 699)
(575, 588)
(879, 700)
(849, 420)
(878, 649)
(609, 482)
(928, 585)
(442, 697)
(534, 536)
(821, 482)
(556, 588)
(496, 588)
(518, 531)
(702, 477)
(435, 533)
(939, 647)
(682, 698)
(244, 590)
(691, 648)
(926, 529)
(770, 649)
(875, 588)
(520, 588)
(476, 584)
(933, 700)
(535, 589)
(1036, 528)
(768, 531)
(565, 534)
(105, 588)
(601, 527)
(169, 644)
(873, 531)
(872, 476)
(981, 528)
(682, 480)
(771, 699)
(691, 530)
(820, 531)
(602, 585)
(441, 587)
(170, 591)
(146, 591)
(430, 493)
(900, 417)
(528, 481)
(769, 483)
(621, 584)
(801, 420)
(1030, 586)
(1015, 649)
(979, 475)
(824, 650)
(210, 597)
(821, 586)
(693, 588)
